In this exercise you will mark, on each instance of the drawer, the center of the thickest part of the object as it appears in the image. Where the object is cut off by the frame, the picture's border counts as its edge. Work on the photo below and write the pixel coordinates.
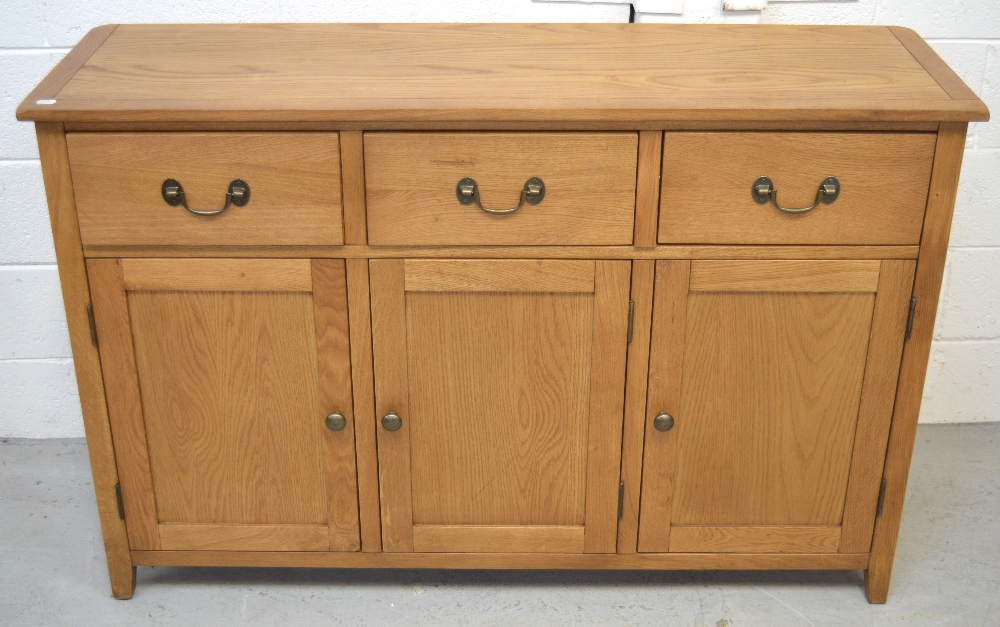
(412, 182)
(293, 178)
(708, 178)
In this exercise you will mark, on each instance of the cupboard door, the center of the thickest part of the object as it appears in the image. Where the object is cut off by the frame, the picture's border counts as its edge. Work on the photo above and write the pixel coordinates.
(507, 377)
(776, 381)
(220, 377)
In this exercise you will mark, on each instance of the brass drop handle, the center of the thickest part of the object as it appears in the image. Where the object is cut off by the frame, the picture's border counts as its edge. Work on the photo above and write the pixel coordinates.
(336, 421)
(532, 193)
(173, 193)
(763, 190)
(663, 421)
(392, 422)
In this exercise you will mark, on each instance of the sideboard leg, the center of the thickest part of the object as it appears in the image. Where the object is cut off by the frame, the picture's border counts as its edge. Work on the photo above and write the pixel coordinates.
(916, 351)
(122, 578)
(877, 584)
(86, 359)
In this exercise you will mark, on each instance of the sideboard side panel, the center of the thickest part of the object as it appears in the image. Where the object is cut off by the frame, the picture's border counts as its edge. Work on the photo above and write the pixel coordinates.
(86, 360)
(926, 289)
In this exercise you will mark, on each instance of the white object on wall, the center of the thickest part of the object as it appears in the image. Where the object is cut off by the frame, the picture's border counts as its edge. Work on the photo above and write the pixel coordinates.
(668, 7)
(759, 5)
(743, 5)
(676, 7)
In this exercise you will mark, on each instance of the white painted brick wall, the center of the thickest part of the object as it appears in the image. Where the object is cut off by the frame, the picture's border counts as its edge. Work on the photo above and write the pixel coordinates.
(37, 387)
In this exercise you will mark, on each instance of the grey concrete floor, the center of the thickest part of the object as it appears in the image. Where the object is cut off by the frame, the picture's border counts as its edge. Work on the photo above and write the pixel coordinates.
(52, 569)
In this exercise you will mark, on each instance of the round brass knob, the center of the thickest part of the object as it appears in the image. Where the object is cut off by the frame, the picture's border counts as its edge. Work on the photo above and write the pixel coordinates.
(336, 421)
(392, 422)
(663, 421)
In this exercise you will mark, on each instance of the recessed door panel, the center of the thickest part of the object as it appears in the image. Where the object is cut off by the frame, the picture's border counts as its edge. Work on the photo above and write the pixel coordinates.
(228, 370)
(508, 380)
(771, 375)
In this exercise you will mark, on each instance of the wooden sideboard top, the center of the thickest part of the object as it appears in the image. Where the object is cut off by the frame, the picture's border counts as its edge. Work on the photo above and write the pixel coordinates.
(495, 75)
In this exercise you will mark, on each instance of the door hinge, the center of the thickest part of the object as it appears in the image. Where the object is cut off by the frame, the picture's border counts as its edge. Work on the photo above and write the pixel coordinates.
(881, 499)
(631, 319)
(93, 325)
(909, 320)
(118, 497)
(621, 498)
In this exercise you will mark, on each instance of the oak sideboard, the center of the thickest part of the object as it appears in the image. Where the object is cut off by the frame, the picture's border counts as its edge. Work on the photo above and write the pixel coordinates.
(608, 296)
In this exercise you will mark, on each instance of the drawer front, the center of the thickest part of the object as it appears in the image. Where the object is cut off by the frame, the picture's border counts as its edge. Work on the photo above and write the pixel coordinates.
(708, 178)
(412, 178)
(294, 182)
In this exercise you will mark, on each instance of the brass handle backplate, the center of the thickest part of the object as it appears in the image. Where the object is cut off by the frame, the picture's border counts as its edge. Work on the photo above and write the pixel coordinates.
(663, 421)
(532, 193)
(173, 193)
(392, 422)
(763, 190)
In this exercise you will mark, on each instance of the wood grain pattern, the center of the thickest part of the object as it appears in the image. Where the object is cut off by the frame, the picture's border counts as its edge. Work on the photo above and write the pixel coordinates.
(790, 366)
(634, 424)
(705, 198)
(541, 73)
(497, 125)
(607, 404)
(784, 276)
(388, 307)
(934, 65)
(502, 561)
(333, 360)
(885, 347)
(225, 275)
(232, 408)
(352, 159)
(125, 404)
(513, 464)
(69, 65)
(647, 189)
(589, 188)
(505, 275)
(666, 362)
(294, 181)
(497, 539)
(181, 537)
(913, 368)
(754, 539)
(499, 388)
(363, 381)
(511, 252)
(86, 359)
